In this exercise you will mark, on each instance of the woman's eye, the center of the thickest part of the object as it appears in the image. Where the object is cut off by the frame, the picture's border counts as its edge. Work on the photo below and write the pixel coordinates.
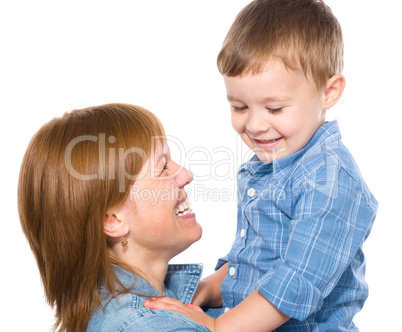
(163, 173)
(275, 110)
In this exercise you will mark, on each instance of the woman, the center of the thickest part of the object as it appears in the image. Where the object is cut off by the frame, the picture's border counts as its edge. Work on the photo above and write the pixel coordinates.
(104, 209)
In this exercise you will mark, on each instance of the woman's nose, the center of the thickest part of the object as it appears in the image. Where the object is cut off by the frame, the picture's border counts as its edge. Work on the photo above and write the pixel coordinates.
(184, 176)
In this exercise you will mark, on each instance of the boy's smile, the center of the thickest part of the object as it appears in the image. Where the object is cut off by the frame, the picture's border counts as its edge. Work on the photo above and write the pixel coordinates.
(275, 112)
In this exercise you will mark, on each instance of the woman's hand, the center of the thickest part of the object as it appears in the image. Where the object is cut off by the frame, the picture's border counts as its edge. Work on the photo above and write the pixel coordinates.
(192, 311)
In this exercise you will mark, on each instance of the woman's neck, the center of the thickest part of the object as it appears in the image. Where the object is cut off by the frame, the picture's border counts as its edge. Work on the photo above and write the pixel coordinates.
(154, 272)
(150, 265)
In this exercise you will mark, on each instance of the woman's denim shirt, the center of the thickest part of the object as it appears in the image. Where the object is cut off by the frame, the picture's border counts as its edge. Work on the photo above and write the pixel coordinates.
(127, 313)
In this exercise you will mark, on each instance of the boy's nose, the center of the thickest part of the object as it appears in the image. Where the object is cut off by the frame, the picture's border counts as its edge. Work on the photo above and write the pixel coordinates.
(256, 122)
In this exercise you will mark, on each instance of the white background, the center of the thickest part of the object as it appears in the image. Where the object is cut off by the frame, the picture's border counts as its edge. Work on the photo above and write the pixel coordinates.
(60, 55)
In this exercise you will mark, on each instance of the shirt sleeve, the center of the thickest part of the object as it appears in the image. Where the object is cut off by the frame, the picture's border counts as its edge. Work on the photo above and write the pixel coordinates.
(221, 261)
(328, 226)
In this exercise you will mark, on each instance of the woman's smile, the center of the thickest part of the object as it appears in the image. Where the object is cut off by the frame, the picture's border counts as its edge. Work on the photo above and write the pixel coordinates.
(184, 209)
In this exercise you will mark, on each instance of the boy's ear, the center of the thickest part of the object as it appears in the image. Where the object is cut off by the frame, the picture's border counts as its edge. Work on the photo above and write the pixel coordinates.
(334, 90)
(113, 226)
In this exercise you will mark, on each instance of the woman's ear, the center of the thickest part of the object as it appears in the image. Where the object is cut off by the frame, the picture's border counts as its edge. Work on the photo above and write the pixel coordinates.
(334, 90)
(113, 226)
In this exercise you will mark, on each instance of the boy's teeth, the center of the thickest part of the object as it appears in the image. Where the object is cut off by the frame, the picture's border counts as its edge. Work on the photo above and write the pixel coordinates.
(269, 141)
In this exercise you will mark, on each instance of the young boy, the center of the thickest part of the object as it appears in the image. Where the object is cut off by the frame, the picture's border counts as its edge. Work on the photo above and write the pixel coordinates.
(304, 209)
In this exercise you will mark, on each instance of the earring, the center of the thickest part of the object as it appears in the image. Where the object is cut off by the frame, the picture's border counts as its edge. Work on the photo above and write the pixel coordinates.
(123, 241)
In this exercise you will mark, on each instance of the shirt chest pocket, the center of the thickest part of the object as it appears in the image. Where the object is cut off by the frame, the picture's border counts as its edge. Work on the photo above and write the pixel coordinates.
(267, 220)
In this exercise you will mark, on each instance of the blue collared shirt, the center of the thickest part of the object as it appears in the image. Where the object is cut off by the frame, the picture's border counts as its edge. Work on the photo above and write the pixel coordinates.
(127, 313)
(302, 221)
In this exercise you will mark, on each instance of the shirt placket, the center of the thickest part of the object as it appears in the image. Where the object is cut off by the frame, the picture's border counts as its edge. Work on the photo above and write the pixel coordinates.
(251, 190)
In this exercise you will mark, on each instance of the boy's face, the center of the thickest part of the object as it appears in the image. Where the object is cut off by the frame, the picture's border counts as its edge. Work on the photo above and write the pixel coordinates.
(276, 112)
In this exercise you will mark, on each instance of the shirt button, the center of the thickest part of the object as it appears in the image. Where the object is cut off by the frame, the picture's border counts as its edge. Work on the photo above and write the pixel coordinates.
(251, 192)
(243, 233)
(227, 309)
(232, 271)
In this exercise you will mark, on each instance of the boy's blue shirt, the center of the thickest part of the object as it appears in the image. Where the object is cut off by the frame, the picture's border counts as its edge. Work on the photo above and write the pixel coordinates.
(127, 312)
(302, 221)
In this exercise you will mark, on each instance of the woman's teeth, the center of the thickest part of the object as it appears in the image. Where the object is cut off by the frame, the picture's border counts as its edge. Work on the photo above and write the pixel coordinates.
(183, 209)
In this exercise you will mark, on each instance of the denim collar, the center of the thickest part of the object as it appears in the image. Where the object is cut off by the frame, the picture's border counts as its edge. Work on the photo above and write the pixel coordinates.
(328, 129)
(180, 282)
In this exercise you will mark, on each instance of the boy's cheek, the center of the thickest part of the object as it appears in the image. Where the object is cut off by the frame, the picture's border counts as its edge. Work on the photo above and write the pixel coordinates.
(236, 126)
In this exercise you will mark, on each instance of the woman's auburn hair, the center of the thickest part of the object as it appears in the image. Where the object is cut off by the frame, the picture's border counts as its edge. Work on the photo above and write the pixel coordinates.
(303, 34)
(62, 214)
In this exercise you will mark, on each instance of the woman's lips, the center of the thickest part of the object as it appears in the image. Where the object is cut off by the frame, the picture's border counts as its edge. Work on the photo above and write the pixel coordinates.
(189, 214)
(267, 144)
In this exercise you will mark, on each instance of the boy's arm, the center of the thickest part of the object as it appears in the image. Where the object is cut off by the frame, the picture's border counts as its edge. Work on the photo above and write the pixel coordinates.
(208, 292)
(254, 314)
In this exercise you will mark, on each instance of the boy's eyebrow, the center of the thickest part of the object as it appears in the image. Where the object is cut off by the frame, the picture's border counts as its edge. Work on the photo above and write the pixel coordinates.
(265, 100)
(230, 98)
(279, 98)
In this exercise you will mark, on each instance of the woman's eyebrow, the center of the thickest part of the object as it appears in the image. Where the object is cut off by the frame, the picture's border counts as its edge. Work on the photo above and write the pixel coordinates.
(162, 156)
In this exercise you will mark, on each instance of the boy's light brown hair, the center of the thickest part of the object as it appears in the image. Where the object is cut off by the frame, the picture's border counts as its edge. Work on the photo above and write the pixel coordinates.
(303, 34)
(62, 215)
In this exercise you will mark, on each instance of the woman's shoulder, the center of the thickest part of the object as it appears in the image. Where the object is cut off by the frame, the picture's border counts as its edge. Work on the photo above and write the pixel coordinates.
(162, 320)
(112, 312)
(127, 313)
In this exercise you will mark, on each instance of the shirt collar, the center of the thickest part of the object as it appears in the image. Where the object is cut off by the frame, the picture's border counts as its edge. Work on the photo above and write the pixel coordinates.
(177, 281)
(328, 129)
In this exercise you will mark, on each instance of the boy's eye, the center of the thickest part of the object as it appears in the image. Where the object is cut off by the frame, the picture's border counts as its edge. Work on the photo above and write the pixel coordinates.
(275, 110)
(239, 109)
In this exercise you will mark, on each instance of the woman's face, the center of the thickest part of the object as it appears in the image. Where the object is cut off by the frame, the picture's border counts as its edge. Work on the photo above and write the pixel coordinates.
(157, 208)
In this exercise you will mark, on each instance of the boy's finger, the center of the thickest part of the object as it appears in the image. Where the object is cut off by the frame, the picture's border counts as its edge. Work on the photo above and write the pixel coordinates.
(161, 305)
(165, 303)
(167, 300)
(194, 307)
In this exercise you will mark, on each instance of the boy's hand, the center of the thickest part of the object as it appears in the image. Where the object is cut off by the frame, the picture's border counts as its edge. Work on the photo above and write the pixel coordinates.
(203, 295)
(192, 311)
(208, 292)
